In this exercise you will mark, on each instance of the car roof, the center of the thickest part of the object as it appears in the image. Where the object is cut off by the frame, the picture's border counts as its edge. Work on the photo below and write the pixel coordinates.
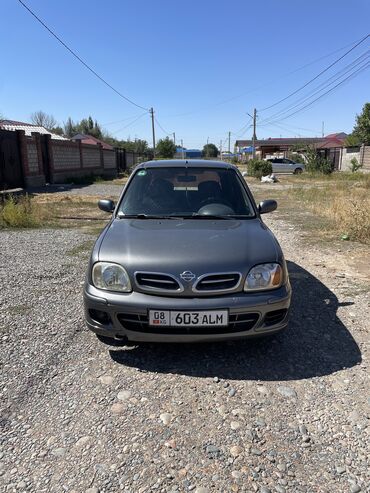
(187, 163)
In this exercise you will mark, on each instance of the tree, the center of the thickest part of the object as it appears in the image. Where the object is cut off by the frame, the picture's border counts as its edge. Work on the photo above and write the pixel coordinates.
(166, 148)
(361, 130)
(69, 128)
(42, 119)
(210, 150)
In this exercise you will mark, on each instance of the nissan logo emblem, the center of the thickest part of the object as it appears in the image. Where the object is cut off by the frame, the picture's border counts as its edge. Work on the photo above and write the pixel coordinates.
(187, 276)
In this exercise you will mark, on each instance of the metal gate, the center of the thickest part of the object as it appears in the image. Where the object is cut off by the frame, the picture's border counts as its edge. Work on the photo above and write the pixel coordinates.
(11, 174)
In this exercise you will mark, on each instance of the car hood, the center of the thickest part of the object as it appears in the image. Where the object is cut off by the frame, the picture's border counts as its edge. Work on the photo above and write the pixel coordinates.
(201, 246)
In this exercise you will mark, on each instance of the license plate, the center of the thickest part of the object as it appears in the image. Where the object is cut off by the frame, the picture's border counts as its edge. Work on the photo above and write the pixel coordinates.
(173, 318)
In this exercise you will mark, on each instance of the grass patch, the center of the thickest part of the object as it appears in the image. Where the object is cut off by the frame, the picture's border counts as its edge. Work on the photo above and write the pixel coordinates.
(22, 212)
(334, 206)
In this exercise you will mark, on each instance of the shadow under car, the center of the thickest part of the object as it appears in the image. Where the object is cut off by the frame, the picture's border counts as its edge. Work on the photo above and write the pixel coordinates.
(316, 343)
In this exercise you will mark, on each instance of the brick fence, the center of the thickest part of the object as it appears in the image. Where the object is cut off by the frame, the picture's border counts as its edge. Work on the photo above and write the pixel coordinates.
(54, 161)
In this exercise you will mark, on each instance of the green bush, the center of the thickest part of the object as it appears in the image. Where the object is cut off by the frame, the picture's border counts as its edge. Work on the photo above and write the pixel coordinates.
(20, 212)
(317, 164)
(258, 168)
(355, 165)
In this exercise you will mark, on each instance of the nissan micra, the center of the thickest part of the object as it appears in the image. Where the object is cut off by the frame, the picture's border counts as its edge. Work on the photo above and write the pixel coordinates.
(186, 257)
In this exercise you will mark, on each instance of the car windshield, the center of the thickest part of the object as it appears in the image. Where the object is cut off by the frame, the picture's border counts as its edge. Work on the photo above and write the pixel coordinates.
(185, 192)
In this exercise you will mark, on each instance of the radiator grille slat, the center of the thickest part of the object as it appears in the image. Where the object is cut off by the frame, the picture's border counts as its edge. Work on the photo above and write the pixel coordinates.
(156, 282)
(218, 282)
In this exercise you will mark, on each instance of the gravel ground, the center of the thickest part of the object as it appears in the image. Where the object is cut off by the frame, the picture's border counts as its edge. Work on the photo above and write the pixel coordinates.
(283, 415)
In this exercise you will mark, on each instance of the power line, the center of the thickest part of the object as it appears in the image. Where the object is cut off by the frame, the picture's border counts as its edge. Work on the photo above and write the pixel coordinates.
(129, 124)
(79, 58)
(353, 74)
(316, 76)
(160, 126)
(325, 84)
(287, 74)
(120, 121)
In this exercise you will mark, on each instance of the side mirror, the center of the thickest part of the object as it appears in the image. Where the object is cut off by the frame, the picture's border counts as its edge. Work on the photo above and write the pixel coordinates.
(106, 205)
(267, 206)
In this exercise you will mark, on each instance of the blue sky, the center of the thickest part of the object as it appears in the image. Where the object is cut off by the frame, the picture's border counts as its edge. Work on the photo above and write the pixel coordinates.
(185, 59)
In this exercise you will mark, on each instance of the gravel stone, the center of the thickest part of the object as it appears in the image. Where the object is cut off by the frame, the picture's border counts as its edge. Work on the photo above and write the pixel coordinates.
(165, 418)
(287, 391)
(124, 395)
(355, 488)
(236, 450)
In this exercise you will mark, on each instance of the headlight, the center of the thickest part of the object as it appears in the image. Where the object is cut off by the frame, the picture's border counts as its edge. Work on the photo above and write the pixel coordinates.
(111, 277)
(264, 276)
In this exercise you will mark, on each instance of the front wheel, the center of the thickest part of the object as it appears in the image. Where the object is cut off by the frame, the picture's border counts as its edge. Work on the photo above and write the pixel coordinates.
(298, 171)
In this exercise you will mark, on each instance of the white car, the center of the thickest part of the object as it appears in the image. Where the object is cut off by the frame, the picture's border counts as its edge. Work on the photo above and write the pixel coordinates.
(284, 165)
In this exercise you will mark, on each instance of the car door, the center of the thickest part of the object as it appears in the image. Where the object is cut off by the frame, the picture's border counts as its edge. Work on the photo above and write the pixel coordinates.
(277, 165)
(287, 165)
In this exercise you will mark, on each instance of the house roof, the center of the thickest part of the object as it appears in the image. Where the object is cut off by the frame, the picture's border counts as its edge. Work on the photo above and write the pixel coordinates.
(89, 139)
(277, 142)
(13, 125)
(332, 140)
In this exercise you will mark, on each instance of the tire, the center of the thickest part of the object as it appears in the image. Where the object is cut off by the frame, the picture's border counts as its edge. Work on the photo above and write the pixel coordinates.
(298, 171)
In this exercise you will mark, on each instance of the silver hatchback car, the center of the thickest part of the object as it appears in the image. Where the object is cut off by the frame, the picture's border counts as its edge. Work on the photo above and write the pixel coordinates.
(186, 257)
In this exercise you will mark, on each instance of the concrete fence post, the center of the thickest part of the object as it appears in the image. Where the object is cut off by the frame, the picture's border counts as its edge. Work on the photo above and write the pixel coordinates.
(81, 155)
(22, 145)
(50, 156)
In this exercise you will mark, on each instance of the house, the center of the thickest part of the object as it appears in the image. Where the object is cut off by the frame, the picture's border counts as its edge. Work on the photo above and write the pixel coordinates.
(328, 146)
(28, 128)
(89, 139)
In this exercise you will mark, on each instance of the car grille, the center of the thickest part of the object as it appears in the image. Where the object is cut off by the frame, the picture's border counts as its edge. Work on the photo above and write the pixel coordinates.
(157, 282)
(275, 317)
(140, 323)
(217, 282)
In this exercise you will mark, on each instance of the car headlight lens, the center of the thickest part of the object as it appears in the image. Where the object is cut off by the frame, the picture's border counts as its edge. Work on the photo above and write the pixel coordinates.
(264, 276)
(111, 277)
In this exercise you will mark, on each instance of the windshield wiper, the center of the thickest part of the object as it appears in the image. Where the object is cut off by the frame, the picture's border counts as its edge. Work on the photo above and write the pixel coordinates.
(120, 215)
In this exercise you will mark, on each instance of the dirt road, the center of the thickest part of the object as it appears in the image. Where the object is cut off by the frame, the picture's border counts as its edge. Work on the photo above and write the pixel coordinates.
(285, 415)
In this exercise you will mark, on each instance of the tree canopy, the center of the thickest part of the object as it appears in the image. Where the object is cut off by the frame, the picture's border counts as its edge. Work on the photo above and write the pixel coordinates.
(42, 119)
(361, 131)
(166, 148)
(210, 150)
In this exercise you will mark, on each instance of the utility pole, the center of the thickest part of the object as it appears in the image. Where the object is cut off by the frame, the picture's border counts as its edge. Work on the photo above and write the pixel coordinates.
(182, 149)
(322, 130)
(174, 138)
(254, 138)
(229, 144)
(207, 148)
(220, 150)
(151, 111)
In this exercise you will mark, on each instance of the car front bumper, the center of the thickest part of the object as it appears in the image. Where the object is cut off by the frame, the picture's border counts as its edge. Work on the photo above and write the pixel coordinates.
(125, 315)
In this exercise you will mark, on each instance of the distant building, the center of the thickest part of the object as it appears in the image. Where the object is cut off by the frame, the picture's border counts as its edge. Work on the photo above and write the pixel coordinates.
(328, 146)
(28, 128)
(188, 153)
(89, 139)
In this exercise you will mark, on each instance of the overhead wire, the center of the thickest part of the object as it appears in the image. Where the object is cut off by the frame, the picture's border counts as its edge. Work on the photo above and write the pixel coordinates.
(80, 59)
(353, 74)
(316, 76)
(129, 124)
(325, 84)
(160, 126)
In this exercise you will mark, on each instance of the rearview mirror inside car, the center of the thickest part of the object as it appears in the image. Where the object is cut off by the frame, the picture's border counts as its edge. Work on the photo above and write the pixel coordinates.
(267, 206)
(106, 205)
